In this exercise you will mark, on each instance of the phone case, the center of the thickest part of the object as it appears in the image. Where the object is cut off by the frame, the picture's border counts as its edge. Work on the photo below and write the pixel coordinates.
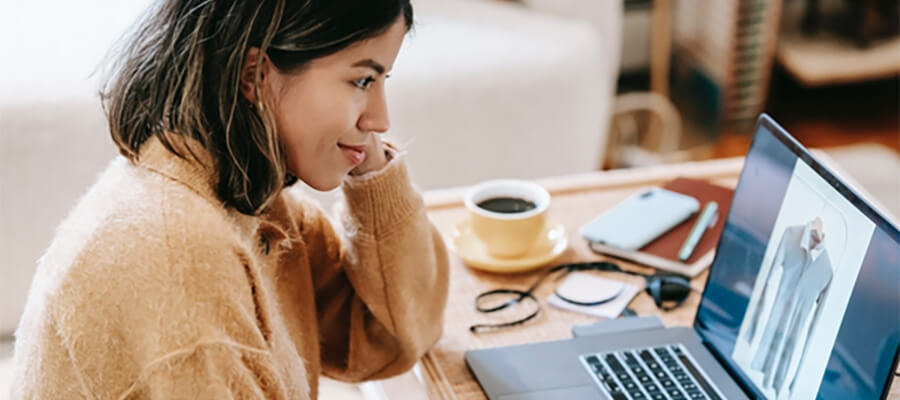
(639, 219)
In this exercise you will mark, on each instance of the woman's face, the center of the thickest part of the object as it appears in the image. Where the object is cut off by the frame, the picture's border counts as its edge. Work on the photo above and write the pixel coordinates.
(326, 112)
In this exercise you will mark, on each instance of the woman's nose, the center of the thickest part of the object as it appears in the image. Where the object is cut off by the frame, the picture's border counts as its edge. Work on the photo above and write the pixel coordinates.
(375, 118)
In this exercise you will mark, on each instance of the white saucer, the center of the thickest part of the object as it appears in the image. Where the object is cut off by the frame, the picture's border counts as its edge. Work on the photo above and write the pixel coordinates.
(552, 242)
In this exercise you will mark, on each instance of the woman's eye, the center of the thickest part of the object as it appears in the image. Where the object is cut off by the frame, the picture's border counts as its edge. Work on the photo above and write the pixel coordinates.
(364, 83)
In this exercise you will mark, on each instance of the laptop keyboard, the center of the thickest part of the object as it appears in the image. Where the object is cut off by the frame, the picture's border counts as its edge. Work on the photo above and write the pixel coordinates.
(658, 373)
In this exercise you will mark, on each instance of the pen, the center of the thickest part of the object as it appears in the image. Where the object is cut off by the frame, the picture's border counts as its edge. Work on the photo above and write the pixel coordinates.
(704, 221)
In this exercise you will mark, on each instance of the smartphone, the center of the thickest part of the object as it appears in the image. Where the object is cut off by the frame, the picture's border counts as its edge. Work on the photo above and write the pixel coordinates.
(639, 219)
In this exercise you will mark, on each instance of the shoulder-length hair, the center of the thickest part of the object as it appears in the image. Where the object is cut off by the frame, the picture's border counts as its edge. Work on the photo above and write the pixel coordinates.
(179, 75)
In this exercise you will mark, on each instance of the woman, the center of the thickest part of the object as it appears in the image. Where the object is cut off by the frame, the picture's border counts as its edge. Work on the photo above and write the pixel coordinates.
(188, 270)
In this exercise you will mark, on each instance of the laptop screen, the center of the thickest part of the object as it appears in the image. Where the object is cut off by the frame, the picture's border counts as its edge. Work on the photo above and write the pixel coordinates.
(802, 300)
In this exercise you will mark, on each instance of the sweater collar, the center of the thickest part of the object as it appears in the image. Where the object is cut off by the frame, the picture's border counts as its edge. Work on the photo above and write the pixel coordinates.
(198, 171)
(195, 171)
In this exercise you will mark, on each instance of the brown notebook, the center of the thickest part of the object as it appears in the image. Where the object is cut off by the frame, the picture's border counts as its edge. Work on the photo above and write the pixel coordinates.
(662, 252)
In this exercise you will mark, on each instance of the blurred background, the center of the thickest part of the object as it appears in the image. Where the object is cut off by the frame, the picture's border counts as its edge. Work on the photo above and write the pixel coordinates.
(496, 88)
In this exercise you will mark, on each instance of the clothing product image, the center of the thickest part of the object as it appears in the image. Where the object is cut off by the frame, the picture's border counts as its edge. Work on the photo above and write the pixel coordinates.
(806, 273)
(153, 288)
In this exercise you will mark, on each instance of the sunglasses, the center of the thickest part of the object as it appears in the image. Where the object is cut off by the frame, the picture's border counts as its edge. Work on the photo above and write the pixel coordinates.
(668, 291)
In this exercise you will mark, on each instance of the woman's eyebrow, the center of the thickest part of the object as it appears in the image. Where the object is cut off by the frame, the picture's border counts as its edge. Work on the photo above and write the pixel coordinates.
(370, 63)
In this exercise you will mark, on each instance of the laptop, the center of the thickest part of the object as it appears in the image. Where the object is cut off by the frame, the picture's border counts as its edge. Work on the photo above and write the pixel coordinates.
(802, 302)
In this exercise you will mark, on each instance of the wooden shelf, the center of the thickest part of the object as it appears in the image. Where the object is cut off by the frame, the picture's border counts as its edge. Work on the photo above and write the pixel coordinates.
(826, 59)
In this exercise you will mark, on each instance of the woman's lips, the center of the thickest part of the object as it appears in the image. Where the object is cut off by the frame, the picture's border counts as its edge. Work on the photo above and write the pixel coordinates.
(354, 154)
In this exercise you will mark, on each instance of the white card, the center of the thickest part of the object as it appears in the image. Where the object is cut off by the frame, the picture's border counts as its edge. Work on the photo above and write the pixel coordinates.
(589, 287)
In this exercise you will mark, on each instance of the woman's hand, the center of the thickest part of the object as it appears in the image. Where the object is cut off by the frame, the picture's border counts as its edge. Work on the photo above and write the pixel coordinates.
(375, 157)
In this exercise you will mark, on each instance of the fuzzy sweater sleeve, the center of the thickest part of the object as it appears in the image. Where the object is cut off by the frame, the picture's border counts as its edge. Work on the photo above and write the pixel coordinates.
(174, 319)
(381, 286)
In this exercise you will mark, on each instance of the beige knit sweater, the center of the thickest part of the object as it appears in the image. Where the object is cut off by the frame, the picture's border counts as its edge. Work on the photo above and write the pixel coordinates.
(153, 289)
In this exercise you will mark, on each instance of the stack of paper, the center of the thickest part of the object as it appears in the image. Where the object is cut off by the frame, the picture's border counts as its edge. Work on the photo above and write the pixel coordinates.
(588, 287)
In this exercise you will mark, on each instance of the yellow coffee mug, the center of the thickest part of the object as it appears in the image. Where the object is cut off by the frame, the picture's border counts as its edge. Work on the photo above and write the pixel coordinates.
(507, 215)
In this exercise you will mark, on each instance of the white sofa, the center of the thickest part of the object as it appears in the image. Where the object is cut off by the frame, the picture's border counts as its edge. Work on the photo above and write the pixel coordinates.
(482, 89)
(485, 89)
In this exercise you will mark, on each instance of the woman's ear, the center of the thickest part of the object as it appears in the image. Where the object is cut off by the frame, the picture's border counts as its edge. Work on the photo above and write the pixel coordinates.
(252, 62)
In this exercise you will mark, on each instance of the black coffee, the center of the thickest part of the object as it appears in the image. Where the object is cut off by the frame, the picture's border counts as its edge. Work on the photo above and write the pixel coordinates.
(507, 205)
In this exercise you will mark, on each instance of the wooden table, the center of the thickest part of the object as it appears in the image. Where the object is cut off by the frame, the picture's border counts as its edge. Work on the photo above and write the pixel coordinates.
(575, 199)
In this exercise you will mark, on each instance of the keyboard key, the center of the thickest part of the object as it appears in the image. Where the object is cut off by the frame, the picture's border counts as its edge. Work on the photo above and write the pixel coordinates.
(611, 386)
(700, 380)
(696, 395)
(630, 359)
(614, 363)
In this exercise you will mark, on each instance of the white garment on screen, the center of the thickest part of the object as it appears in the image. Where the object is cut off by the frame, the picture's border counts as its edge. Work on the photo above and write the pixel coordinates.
(805, 276)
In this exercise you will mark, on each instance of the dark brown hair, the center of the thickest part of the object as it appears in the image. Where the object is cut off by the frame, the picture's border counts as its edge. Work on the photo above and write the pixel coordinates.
(179, 75)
